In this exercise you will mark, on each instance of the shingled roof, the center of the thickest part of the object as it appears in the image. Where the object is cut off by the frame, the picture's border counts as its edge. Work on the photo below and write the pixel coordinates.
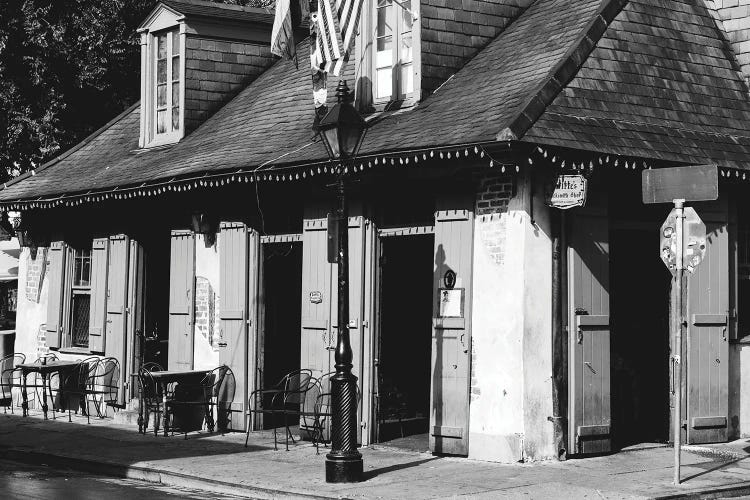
(658, 84)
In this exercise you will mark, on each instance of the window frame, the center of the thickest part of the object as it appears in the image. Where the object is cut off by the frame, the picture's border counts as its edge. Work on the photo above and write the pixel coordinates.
(366, 59)
(149, 73)
(70, 290)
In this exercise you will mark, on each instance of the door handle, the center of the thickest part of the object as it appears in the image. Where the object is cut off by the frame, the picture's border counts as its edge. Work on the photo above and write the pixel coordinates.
(463, 344)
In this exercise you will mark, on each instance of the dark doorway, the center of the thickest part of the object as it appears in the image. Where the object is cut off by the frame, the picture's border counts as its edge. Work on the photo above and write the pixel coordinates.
(640, 335)
(156, 250)
(282, 322)
(405, 340)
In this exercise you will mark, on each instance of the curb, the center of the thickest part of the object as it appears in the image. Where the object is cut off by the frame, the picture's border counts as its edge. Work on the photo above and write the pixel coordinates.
(714, 493)
(160, 476)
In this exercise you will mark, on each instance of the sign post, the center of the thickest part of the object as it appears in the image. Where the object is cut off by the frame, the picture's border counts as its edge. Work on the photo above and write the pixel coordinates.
(678, 185)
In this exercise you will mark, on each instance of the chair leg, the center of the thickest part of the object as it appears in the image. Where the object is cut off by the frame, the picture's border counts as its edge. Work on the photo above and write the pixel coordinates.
(275, 448)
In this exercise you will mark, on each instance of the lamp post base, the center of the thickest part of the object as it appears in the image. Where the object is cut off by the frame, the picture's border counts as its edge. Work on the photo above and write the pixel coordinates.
(344, 467)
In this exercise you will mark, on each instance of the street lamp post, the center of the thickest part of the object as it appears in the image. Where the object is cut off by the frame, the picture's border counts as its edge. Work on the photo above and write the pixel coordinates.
(342, 131)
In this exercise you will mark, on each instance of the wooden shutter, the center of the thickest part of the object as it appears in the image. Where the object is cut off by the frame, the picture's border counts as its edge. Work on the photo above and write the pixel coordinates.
(318, 279)
(707, 338)
(98, 312)
(115, 334)
(56, 273)
(451, 336)
(238, 271)
(588, 296)
(181, 300)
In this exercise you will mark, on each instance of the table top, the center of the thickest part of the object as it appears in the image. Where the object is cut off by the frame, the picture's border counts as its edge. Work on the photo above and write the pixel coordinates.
(51, 366)
(170, 375)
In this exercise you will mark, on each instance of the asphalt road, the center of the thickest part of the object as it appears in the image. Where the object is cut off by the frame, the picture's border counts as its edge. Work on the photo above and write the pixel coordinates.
(23, 481)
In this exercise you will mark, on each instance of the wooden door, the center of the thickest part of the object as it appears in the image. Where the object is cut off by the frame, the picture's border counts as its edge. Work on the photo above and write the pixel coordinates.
(98, 311)
(238, 270)
(115, 335)
(589, 328)
(707, 336)
(318, 281)
(56, 265)
(181, 299)
(451, 332)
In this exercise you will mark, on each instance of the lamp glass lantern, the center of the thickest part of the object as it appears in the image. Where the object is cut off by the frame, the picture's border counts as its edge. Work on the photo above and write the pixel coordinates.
(342, 129)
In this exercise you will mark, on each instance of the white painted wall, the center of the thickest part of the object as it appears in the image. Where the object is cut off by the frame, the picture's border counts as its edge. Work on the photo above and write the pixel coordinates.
(29, 314)
(739, 390)
(205, 356)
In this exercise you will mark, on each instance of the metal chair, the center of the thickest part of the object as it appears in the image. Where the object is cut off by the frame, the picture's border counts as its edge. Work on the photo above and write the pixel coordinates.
(193, 403)
(74, 388)
(222, 396)
(151, 396)
(106, 385)
(10, 378)
(280, 399)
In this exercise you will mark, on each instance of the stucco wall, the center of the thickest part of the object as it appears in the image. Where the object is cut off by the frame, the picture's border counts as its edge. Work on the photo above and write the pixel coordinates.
(739, 390)
(206, 354)
(511, 325)
(30, 314)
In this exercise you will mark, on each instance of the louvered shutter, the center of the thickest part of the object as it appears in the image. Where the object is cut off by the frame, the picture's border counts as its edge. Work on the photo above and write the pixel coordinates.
(98, 311)
(56, 273)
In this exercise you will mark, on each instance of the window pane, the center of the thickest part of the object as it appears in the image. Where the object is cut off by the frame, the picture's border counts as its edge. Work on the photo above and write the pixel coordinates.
(80, 320)
(175, 68)
(161, 71)
(82, 268)
(161, 41)
(383, 82)
(384, 10)
(176, 94)
(176, 118)
(161, 122)
(407, 79)
(406, 55)
(406, 16)
(175, 43)
(384, 45)
(161, 95)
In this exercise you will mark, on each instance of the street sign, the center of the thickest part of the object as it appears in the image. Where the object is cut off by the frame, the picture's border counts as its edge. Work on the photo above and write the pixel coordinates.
(695, 183)
(570, 191)
(694, 249)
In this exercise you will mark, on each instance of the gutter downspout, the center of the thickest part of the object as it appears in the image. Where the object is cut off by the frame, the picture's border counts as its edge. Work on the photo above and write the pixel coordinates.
(559, 344)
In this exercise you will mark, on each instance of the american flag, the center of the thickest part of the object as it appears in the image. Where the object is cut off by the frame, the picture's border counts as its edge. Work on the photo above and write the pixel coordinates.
(326, 54)
(348, 12)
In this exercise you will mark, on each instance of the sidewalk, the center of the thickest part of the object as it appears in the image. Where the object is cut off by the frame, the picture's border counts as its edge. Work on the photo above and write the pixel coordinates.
(222, 464)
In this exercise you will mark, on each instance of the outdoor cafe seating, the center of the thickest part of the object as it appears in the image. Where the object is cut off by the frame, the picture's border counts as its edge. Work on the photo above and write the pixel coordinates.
(94, 381)
(10, 378)
(185, 401)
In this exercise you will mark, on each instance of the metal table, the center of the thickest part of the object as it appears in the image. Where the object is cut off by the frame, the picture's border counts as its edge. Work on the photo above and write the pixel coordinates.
(44, 370)
(164, 378)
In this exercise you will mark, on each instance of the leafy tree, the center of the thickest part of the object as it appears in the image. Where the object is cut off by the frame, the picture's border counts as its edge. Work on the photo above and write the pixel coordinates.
(66, 68)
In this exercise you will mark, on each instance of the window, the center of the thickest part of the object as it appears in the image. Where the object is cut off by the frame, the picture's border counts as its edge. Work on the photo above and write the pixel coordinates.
(162, 87)
(167, 103)
(395, 69)
(80, 300)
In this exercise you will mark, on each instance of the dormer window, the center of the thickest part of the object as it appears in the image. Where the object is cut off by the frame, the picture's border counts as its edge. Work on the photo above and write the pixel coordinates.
(167, 83)
(390, 38)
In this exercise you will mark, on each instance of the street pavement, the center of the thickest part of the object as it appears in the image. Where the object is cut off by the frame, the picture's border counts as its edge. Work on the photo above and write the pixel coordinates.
(19, 481)
(222, 465)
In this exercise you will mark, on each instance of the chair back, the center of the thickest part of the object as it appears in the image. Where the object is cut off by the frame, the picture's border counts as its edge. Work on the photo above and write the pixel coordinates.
(222, 390)
(50, 356)
(295, 386)
(7, 371)
(107, 378)
(153, 367)
(149, 387)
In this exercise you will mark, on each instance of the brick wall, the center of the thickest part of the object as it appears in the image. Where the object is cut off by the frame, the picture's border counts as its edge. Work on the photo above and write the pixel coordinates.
(493, 194)
(453, 31)
(215, 71)
(735, 17)
(35, 268)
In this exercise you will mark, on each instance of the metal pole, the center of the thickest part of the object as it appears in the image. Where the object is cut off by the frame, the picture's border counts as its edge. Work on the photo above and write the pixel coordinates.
(558, 415)
(344, 462)
(677, 354)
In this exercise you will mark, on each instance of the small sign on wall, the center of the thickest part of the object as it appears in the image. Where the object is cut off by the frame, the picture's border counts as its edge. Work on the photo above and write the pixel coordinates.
(451, 303)
(570, 191)
(316, 297)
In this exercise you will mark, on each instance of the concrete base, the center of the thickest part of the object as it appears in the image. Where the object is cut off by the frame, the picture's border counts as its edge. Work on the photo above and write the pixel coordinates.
(493, 448)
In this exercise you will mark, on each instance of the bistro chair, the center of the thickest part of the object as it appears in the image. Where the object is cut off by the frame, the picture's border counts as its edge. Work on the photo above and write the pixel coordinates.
(74, 388)
(151, 395)
(279, 399)
(10, 378)
(106, 386)
(222, 396)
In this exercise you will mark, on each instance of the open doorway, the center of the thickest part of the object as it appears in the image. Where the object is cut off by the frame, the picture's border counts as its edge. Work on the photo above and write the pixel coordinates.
(281, 289)
(156, 298)
(640, 335)
(404, 341)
